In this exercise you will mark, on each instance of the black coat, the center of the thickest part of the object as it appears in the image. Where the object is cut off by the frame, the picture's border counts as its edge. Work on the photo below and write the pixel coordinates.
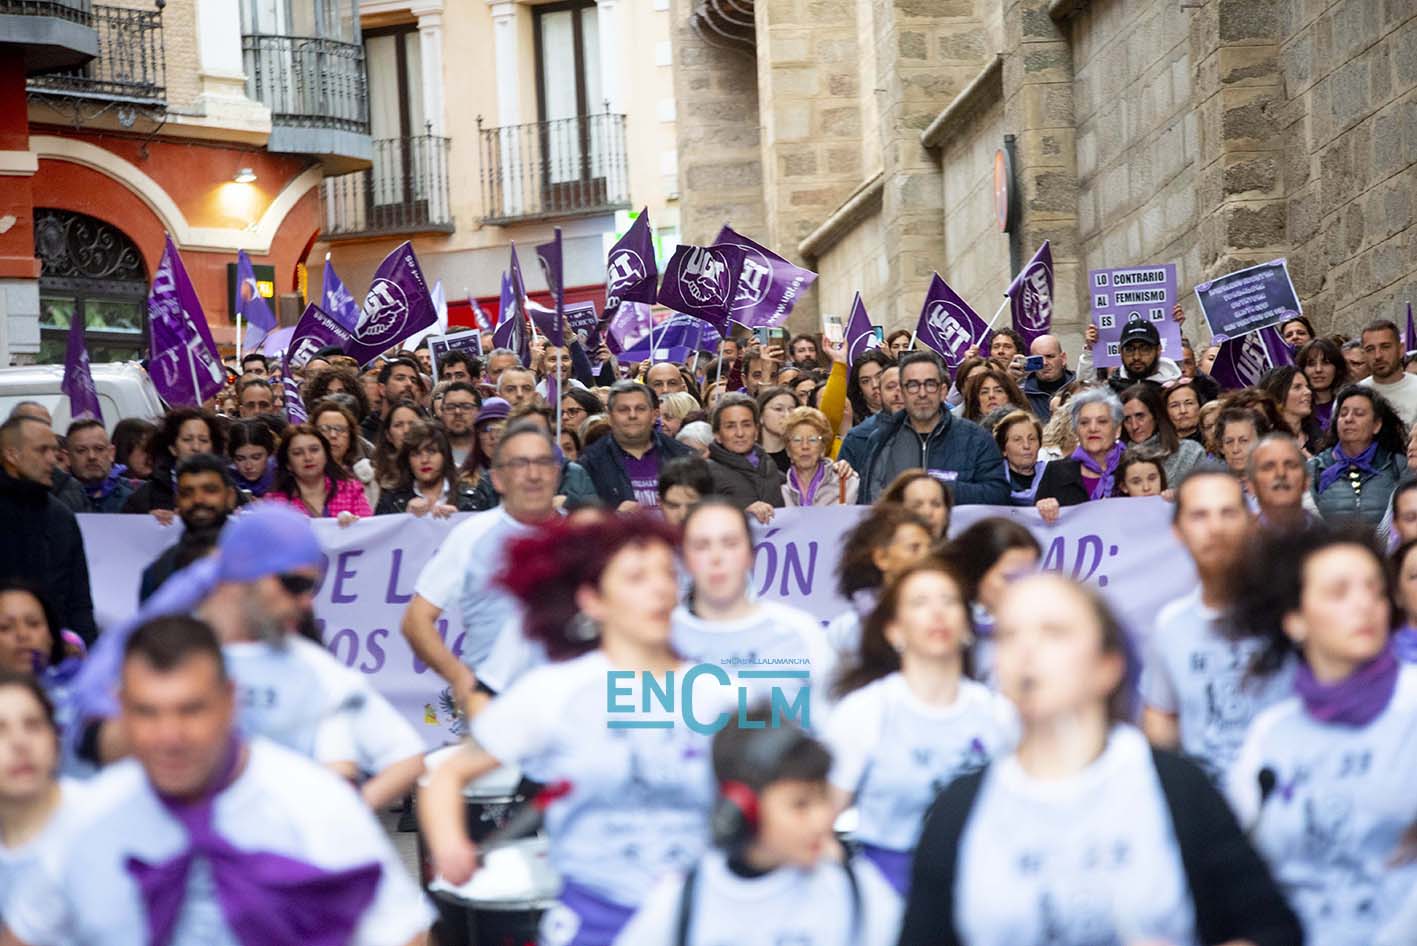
(742, 483)
(1062, 480)
(42, 543)
(157, 492)
(397, 500)
(605, 462)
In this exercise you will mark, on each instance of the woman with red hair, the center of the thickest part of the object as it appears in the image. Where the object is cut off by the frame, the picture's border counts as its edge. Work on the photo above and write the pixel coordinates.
(633, 787)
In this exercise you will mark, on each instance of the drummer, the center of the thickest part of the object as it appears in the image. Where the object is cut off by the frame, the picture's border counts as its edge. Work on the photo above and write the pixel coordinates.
(633, 802)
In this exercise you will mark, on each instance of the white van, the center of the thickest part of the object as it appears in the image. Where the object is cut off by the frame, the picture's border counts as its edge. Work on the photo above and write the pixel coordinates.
(124, 390)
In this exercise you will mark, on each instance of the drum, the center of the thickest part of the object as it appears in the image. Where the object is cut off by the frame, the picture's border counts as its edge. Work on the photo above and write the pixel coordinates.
(503, 903)
(845, 828)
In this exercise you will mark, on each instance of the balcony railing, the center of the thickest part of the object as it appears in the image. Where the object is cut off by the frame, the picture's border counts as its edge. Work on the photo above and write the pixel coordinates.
(131, 66)
(76, 11)
(406, 191)
(308, 81)
(566, 167)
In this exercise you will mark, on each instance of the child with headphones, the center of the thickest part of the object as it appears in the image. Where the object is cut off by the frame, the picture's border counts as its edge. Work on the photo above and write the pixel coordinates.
(779, 874)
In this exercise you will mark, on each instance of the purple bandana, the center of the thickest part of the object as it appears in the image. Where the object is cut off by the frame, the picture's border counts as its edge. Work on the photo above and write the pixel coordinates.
(810, 490)
(1354, 701)
(893, 865)
(1342, 462)
(267, 899)
(1101, 487)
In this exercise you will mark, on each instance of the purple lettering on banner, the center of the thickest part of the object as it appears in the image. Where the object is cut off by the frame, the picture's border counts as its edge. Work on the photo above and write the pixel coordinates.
(338, 596)
(394, 596)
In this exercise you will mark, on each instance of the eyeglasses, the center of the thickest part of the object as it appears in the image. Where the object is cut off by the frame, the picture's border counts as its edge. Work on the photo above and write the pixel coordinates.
(459, 408)
(804, 441)
(332, 430)
(519, 465)
(296, 584)
(929, 386)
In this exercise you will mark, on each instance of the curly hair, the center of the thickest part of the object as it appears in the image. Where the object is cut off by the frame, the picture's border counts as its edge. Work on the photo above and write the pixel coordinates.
(856, 570)
(165, 439)
(318, 388)
(976, 381)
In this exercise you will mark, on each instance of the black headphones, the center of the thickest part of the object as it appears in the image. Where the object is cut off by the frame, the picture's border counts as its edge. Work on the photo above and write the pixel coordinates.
(735, 815)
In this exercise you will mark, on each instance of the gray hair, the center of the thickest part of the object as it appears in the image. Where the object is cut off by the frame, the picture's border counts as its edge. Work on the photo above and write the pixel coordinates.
(697, 434)
(502, 378)
(627, 386)
(1098, 394)
(496, 352)
(1274, 437)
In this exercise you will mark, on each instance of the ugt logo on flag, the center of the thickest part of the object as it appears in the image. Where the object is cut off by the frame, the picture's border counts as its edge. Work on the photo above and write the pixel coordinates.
(705, 276)
(385, 311)
(949, 328)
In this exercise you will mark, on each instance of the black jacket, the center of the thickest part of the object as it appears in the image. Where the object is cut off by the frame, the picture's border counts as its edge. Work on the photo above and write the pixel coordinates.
(1062, 480)
(157, 492)
(742, 483)
(42, 543)
(1040, 393)
(1234, 893)
(190, 546)
(605, 462)
(397, 500)
(70, 492)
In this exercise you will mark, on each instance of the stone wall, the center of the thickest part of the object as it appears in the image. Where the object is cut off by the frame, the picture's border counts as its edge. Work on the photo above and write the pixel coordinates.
(975, 261)
(858, 262)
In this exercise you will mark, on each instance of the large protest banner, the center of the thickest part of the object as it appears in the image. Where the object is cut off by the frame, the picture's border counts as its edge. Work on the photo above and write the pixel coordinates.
(1124, 547)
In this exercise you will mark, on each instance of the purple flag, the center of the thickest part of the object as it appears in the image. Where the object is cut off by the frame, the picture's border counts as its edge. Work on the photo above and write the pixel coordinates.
(397, 305)
(338, 302)
(294, 403)
(674, 339)
(549, 255)
(183, 362)
(768, 285)
(947, 325)
(1410, 339)
(315, 330)
(78, 379)
(702, 281)
(277, 342)
(860, 333)
(626, 327)
(511, 332)
(1031, 297)
(1243, 361)
(630, 270)
(249, 301)
(479, 316)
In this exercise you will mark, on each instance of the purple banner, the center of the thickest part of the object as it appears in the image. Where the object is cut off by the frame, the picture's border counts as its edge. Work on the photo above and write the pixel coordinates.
(315, 330)
(183, 363)
(78, 378)
(1242, 361)
(860, 333)
(626, 327)
(768, 285)
(294, 403)
(338, 302)
(1031, 297)
(549, 255)
(702, 281)
(1147, 293)
(397, 305)
(947, 325)
(630, 269)
(1248, 299)
(277, 342)
(674, 339)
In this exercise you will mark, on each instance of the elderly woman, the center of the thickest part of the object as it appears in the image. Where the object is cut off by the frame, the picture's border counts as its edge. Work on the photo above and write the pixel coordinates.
(1146, 423)
(1047, 485)
(1356, 476)
(673, 408)
(1096, 415)
(1237, 430)
(697, 435)
(812, 479)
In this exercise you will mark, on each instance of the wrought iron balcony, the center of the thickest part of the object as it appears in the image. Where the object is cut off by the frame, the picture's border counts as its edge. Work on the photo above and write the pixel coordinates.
(54, 34)
(129, 74)
(317, 93)
(405, 192)
(562, 168)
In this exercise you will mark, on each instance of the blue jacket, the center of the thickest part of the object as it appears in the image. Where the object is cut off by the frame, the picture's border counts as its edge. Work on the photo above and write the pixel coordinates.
(1371, 501)
(957, 450)
(1039, 398)
(853, 445)
(605, 462)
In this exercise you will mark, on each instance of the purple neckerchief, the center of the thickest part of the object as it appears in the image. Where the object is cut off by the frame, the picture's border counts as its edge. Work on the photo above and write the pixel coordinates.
(257, 487)
(600, 920)
(1404, 644)
(1355, 700)
(1101, 487)
(104, 487)
(267, 899)
(1323, 414)
(1025, 497)
(893, 865)
(1342, 462)
(811, 489)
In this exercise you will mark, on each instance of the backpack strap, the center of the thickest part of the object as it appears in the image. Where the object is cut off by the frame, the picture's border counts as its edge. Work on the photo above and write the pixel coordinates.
(686, 907)
(854, 883)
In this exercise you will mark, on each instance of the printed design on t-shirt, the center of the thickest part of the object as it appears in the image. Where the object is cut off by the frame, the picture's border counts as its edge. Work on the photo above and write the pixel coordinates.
(1084, 919)
(1074, 902)
(1230, 704)
(968, 760)
(655, 763)
(1348, 896)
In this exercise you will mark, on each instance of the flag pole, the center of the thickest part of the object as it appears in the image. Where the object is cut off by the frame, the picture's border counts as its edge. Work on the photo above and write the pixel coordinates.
(560, 396)
(192, 367)
(238, 340)
(998, 312)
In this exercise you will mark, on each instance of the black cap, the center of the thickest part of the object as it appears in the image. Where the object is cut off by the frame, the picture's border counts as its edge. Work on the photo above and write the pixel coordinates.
(1140, 330)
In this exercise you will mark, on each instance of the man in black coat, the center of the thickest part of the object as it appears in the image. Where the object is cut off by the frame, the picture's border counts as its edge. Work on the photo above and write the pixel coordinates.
(41, 538)
(625, 465)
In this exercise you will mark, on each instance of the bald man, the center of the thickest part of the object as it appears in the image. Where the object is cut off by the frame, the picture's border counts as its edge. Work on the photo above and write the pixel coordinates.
(1040, 386)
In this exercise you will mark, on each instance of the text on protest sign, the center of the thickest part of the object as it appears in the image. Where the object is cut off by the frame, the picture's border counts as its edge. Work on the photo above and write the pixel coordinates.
(1249, 299)
(1120, 295)
(440, 345)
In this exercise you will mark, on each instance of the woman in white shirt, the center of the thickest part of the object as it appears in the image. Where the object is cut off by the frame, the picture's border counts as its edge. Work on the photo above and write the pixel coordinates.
(909, 721)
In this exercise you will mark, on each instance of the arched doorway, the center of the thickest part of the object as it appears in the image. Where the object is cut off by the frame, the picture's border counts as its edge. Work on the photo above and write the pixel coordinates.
(89, 269)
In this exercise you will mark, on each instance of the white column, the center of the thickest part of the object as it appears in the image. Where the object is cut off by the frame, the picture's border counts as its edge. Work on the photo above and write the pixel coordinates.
(221, 70)
(608, 17)
(506, 49)
(430, 48)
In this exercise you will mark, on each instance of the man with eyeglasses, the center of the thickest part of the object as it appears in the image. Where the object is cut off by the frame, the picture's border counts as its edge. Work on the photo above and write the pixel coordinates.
(257, 399)
(525, 471)
(926, 436)
(625, 465)
(458, 411)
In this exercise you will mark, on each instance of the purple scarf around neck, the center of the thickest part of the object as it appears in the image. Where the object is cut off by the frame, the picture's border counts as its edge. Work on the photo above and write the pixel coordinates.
(809, 491)
(1354, 701)
(1106, 481)
(1342, 461)
(267, 899)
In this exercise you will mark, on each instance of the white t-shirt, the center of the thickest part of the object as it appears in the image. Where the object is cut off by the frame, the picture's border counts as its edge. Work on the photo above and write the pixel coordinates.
(296, 694)
(787, 907)
(460, 573)
(844, 635)
(1197, 674)
(511, 657)
(1083, 860)
(896, 753)
(639, 798)
(16, 862)
(80, 892)
(1342, 799)
(1402, 395)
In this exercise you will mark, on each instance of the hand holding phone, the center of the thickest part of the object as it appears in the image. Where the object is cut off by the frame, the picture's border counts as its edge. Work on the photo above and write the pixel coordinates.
(1033, 363)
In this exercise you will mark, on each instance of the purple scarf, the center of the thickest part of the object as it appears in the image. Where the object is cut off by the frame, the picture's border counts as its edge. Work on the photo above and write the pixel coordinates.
(810, 490)
(267, 899)
(1354, 701)
(257, 487)
(104, 488)
(1027, 495)
(1323, 414)
(893, 865)
(1404, 644)
(1106, 481)
(1342, 462)
(600, 920)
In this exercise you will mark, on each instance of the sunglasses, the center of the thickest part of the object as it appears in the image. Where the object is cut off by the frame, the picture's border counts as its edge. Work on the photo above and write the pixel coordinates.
(296, 584)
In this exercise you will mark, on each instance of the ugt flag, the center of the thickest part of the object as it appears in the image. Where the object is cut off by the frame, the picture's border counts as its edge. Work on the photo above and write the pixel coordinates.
(183, 363)
(315, 330)
(626, 327)
(78, 379)
(1243, 360)
(674, 339)
(630, 269)
(1031, 297)
(338, 302)
(860, 333)
(549, 255)
(768, 285)
(947, 324)
(250, 304)
(702, 281)
(397, 305)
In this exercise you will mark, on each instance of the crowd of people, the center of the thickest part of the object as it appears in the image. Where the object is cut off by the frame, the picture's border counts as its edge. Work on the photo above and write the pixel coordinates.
(1022, 768)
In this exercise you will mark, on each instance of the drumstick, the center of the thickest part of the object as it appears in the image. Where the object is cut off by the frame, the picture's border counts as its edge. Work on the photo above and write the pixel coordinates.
(526, 821)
